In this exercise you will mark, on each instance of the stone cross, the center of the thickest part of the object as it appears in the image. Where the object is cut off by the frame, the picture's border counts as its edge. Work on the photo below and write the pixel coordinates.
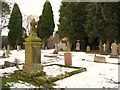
(104, 47)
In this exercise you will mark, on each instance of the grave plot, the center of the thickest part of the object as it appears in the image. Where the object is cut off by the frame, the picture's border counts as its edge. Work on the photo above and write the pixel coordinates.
(45, 79)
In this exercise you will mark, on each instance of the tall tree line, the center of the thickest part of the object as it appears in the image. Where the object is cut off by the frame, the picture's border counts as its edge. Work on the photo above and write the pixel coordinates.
(100, 20)
(71, 22)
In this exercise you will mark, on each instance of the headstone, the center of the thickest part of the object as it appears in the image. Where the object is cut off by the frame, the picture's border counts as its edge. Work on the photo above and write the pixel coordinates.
(68, 58)
(8, 49)
(78, 46)
(17, 63)
(119, 48)
(99, 59)
(32, 52)
(18, 48)
(104, 48)
(68, 46)
(64, 47)
(114, 50)
(88, 49)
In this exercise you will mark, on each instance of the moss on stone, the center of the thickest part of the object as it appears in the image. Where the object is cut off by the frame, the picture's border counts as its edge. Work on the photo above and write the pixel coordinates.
(40, 79)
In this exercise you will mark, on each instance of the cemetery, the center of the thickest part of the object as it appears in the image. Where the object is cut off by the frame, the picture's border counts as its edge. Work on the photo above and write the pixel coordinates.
(82, 53)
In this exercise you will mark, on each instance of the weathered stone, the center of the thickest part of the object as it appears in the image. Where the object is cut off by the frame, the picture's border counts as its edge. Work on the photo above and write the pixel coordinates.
(32, 52)
(114, 50)
(88, 49)
(104, 48)
(78, 46)
(99, 59)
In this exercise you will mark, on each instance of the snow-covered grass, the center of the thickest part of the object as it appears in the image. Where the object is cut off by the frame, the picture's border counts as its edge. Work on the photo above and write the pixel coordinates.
(98, 75)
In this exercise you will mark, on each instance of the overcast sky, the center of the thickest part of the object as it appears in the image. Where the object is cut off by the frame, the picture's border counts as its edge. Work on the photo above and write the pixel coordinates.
(35, 7)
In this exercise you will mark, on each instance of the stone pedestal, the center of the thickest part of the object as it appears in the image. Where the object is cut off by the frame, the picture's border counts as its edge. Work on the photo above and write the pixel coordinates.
(68, 58)
(32, 53)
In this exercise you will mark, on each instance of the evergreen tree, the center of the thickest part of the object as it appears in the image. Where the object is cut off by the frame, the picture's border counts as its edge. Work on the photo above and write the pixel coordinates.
(15, 27)
(94, 23)
(45, 27)
(101, 22)
(71, 22)
(111, 22)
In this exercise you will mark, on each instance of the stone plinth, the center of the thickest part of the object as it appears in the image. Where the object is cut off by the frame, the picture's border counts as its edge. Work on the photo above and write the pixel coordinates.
(68, 58)
(32, 53)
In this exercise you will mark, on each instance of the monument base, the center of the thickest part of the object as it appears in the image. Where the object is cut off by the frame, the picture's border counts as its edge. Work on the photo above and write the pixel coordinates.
(113, 56)
(32, 68)
(105, 54)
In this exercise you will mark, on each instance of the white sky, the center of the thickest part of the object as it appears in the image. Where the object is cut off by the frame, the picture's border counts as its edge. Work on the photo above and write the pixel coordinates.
(35, 7)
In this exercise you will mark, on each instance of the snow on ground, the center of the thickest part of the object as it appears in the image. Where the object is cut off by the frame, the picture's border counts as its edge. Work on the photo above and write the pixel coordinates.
(51, 70)
(21, 84)
(98, 75)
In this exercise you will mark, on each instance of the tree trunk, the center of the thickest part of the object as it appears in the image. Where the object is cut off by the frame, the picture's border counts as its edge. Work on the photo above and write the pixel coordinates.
(108, 45)
(100, 45)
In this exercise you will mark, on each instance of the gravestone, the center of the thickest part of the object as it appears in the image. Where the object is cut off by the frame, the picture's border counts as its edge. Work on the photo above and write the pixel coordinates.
(78, 46)
(67, 58)
(104, 48)
(100, 59)
(32, 52)
(88, 49)
(18, 47)
(119, 48)
(64, 47)
(114, 50)
(8, 49)
(68, 46)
